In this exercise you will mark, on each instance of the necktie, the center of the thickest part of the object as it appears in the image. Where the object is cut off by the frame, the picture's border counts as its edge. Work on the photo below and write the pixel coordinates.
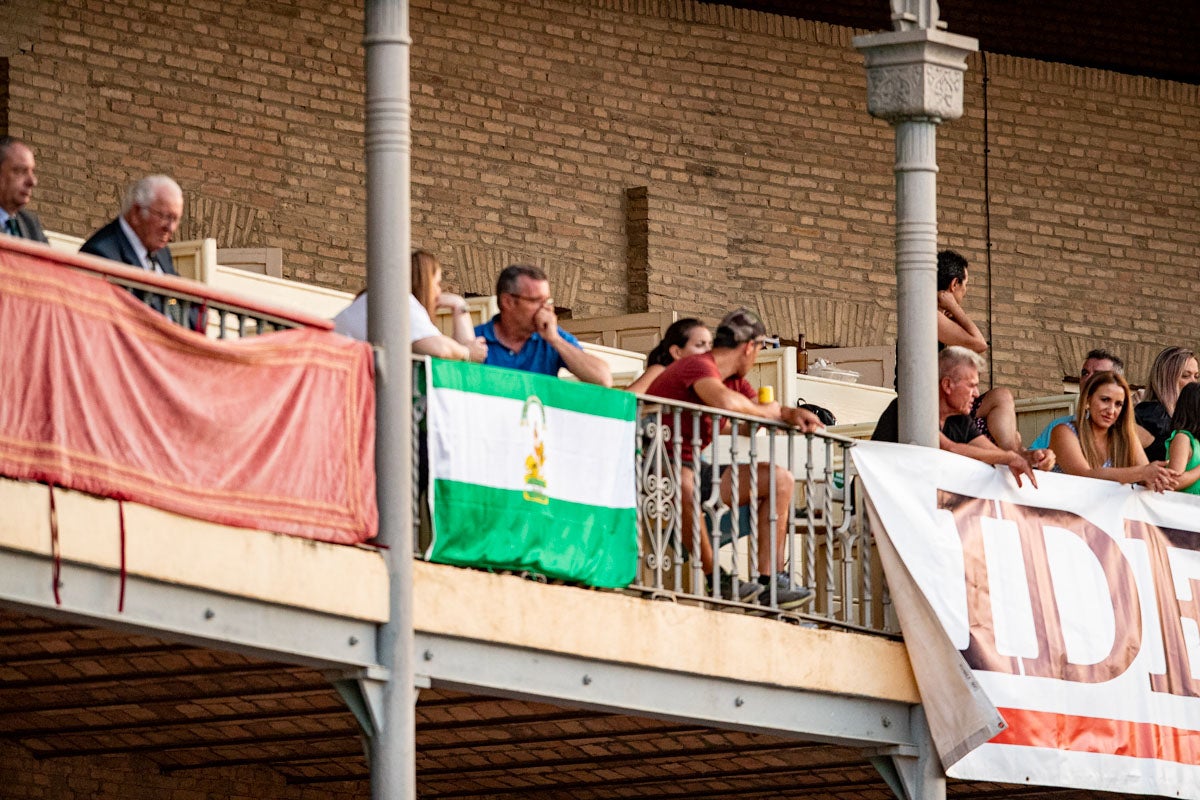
(11, 226)
(155, 264)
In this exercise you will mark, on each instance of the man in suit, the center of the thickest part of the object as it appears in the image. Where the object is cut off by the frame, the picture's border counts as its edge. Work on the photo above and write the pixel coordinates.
(17, 180)
(150, 213)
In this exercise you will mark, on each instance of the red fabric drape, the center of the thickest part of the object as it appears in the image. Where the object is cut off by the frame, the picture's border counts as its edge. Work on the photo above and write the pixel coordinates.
(101, 394)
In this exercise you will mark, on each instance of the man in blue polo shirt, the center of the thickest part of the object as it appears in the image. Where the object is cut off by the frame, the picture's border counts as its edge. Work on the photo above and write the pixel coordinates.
(525, 334)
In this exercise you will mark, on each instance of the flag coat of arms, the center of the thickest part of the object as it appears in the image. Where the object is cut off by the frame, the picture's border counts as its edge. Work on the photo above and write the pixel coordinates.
(529, 472)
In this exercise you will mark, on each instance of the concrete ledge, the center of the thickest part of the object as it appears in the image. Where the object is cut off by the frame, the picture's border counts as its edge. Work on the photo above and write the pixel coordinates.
(612, 627)
(334, 579)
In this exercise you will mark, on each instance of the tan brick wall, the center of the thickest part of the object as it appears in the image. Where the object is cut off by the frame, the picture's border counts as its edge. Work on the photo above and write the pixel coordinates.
(23, 777)
(764, 175)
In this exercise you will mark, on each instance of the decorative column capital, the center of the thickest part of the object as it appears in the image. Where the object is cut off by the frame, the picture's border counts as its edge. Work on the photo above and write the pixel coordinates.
(915, 74)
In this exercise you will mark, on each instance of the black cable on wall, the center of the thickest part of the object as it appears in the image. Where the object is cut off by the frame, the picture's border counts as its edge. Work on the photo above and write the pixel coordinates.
(987, 215)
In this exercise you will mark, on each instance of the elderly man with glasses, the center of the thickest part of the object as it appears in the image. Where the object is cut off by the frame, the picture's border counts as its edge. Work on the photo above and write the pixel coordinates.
(718, 379)
(525, 334)
(150, 213)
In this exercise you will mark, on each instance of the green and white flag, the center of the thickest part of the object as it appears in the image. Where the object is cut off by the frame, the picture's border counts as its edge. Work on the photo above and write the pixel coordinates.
(530, 472)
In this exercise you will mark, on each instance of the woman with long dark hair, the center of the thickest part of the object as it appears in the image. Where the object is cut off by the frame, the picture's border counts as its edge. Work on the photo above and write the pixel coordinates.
(1183, 445)
(685, 337)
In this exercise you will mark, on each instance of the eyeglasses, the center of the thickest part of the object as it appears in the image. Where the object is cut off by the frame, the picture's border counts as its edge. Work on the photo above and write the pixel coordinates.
(170, 219)
(540, 301)
(766, 341)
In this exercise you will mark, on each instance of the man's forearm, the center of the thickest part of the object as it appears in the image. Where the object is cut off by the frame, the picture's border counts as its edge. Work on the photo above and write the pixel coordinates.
(585, 366)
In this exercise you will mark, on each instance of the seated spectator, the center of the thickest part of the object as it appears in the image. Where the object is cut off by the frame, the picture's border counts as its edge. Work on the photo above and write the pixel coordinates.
(1182, 446)
(17, 180)
(718, 379)
(1096, 361)
(958, 386)
(1173, 368)
(525, 334)
(426, 298)
(685, 337)
(1101, 441)
(994, 411)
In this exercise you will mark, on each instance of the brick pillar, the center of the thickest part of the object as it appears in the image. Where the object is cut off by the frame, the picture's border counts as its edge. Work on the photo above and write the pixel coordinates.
(637, 249)
(677, 252)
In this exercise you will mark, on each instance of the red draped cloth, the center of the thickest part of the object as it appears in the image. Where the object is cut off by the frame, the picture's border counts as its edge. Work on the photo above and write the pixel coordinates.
(101, 394)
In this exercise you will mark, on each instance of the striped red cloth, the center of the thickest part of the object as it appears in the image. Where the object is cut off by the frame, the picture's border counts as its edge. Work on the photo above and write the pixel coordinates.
(101, 394)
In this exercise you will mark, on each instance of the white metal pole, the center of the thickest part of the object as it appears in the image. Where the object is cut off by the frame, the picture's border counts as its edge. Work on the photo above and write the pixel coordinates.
(388, 145)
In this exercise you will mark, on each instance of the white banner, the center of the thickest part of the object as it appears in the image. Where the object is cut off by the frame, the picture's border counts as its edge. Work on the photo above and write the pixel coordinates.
(1075, 606)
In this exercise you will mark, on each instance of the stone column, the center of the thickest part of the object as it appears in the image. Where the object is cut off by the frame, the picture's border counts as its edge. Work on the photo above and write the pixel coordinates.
(915, 82)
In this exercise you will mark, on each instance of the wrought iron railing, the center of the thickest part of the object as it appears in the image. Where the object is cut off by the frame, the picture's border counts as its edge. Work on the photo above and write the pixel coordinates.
(827, 547)
(823, 542)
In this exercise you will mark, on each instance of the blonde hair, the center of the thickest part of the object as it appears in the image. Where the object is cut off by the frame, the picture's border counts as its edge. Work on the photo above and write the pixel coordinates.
(1121, 435)
(1163, 383)
(424, 266)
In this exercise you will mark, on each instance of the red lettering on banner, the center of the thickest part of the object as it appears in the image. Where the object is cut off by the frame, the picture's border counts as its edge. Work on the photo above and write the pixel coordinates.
(1051, 661)
(1172, 610)
(1097, 735)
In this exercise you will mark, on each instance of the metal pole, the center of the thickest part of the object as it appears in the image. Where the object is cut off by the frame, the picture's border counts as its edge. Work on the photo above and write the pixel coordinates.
(388, 144)
(916, 280)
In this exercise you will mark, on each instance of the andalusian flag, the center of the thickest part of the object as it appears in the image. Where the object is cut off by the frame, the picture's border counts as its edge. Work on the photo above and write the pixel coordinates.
(530, 472)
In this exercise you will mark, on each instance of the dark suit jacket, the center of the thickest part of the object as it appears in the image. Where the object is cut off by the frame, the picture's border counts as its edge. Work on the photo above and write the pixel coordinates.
(110, 242)
(30, 226)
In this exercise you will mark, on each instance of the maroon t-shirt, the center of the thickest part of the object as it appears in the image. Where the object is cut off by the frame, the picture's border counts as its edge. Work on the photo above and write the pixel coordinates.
(678, 382)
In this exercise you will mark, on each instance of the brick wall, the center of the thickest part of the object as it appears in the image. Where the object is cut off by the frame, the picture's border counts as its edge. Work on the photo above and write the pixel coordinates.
(256, 109)
(764, 176)
(23, 777)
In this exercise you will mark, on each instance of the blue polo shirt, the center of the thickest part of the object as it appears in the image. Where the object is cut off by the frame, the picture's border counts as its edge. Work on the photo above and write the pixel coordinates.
(536, 355)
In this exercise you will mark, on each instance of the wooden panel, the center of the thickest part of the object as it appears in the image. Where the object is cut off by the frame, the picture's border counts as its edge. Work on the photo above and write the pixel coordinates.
(1035, 413)
(776, 367)
(876, 366)
(64, 242)
(636, 332)
(481, 310)
(261, 260)
(195, 259)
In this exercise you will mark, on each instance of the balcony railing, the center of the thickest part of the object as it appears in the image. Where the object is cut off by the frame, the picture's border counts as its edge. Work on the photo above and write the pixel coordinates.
(822, 542)
(827, 546)
(182, 301)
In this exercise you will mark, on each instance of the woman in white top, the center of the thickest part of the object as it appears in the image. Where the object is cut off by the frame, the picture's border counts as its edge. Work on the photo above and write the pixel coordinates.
(426, 298)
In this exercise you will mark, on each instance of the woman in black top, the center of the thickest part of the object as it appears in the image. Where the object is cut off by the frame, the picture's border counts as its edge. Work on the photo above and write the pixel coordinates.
(1173, 368)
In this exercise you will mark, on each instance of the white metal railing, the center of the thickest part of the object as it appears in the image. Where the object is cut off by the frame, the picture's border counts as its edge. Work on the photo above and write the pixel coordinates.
(826, 546)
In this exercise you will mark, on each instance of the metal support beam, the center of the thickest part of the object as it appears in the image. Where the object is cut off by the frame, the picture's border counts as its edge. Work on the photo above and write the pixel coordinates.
(913, 773)
(630, 689)
(387, 43)
(186, 614)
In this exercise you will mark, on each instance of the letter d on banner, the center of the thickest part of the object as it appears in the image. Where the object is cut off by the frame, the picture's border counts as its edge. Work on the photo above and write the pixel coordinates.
(1052, 660)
